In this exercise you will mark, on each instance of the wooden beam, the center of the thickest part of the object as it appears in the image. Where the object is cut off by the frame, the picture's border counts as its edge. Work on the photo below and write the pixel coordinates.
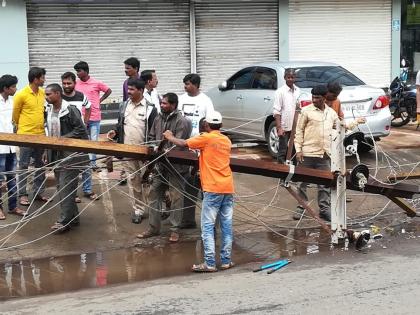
(76, 145)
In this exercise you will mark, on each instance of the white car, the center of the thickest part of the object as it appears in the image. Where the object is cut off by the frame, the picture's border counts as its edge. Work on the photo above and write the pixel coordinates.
(246, 99)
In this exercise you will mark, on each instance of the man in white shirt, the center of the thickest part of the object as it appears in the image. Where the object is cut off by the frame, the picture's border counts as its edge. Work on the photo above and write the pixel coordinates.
(284, 109)
(150, 93)
(8, 153)
(195, 105)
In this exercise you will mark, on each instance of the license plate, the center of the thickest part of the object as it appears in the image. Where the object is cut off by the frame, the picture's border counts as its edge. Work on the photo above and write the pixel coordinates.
(353, 107)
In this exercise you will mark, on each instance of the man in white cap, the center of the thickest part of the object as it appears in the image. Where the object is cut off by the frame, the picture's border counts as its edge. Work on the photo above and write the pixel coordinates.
(218, 189)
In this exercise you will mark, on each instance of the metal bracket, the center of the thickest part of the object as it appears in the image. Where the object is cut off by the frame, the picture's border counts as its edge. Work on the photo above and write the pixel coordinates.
(290, 175)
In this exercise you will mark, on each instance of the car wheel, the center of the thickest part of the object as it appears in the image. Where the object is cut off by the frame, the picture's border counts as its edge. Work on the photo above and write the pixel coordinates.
(365, 146)
(400, 117)
(272, 140)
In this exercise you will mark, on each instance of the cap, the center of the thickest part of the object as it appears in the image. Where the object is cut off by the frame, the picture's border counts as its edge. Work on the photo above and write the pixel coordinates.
(214, 117)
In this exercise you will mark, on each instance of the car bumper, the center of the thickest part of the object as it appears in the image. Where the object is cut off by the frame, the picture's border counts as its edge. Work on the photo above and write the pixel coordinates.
(378, 125)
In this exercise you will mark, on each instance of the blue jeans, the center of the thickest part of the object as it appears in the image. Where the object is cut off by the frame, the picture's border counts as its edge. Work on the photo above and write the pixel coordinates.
(39, 177)
(87, 181)
(213, 205)
(94, 128)
(8, 164)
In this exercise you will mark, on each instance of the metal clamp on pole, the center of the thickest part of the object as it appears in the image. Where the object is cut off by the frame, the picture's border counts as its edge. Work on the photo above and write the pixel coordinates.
(290, 175)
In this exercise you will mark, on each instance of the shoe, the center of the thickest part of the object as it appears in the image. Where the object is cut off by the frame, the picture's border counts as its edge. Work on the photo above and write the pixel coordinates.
(299, 213)
(325, 215)
(188, 225)
(136, 218)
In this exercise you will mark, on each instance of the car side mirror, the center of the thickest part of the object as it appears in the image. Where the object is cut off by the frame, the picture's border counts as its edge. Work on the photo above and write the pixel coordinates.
(223, 86)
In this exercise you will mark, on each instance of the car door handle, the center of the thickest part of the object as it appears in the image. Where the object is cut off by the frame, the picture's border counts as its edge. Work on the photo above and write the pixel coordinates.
(267, 98)
(239, 98)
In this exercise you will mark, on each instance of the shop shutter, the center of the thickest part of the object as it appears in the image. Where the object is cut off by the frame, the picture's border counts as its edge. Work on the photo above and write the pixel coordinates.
(105, 33)
(353, 33)
(232, 34)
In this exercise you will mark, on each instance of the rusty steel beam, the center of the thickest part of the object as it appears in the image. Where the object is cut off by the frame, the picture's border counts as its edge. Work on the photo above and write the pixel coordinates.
(403, 204)
(404, 176)
(255, 167)
(308, 208)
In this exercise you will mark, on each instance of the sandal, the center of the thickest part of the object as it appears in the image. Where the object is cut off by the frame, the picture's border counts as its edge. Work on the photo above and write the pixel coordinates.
(2, 216)
(91, 196)
(60, 228)
(24, 201)
(203, 268)
(18, 211)
(41, 198)
(147, 234)
(174, 238)
(227, 266)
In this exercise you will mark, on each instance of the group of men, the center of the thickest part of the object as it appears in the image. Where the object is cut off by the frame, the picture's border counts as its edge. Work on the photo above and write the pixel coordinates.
(35, 111)
(72, 110)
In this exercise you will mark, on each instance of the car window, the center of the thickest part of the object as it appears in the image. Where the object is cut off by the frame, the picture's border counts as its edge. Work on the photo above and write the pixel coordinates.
(265, 78)
(308, 77)
(242, 79)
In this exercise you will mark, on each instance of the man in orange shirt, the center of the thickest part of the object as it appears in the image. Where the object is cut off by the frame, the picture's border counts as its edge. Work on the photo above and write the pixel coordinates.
(331, 99)
(217, 184)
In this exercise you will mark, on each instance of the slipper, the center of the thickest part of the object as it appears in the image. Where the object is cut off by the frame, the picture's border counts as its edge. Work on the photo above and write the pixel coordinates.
(2, 216)
(227, 266)
(174, 237)
(147, 234)
(91, 196)
(24, 201)
(60, 228)
(77, 200)
(18, 211)
(203, 268)
(41, 198)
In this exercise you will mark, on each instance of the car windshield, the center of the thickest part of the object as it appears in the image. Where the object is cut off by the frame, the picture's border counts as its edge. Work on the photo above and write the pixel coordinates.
(308, 77)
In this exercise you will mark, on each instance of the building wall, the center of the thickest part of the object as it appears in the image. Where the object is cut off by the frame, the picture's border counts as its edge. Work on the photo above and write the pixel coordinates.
(15, 59)
(14, 56)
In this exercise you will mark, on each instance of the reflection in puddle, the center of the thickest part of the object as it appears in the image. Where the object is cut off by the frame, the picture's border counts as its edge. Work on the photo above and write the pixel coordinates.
(89, 270)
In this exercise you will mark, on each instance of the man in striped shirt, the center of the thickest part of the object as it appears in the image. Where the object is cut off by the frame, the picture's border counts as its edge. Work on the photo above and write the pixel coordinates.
(78, 99)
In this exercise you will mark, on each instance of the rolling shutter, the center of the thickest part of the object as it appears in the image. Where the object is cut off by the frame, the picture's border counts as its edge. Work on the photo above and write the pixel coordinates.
(353, 33)
(232, 34)
(105, 33)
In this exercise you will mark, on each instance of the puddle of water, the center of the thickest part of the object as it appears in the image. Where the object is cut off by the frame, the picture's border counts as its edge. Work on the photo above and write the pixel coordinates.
(74, 272)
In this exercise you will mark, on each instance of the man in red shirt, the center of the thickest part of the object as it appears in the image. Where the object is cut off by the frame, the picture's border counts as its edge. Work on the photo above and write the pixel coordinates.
(92, 89)
(218, 189)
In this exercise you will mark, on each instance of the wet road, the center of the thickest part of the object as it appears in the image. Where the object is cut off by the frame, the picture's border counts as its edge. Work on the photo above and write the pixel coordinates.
(101, 251)
(381, 280)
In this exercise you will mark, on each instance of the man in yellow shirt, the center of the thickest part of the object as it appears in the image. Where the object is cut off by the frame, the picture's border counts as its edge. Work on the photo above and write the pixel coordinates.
(312, 143)
(28, 117)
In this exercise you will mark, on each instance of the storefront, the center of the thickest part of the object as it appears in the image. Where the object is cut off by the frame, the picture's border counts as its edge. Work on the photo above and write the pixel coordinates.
(410, 36)
(212, 37)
